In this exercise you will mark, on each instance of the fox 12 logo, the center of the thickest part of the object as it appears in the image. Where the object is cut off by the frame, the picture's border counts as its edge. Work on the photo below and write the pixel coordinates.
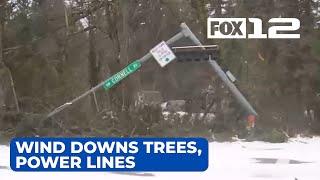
(236, 28)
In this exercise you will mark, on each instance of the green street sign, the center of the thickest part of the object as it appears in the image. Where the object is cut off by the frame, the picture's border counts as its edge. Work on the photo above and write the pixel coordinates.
(121, 75)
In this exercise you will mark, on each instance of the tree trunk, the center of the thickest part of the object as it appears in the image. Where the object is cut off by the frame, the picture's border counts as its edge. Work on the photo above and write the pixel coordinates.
(8, 99)
(94, 66)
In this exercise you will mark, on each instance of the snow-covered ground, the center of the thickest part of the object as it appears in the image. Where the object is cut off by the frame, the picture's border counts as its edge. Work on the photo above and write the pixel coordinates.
(300, 159)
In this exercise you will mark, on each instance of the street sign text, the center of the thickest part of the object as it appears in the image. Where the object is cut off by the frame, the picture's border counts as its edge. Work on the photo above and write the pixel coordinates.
(163, 54)
(121, 75)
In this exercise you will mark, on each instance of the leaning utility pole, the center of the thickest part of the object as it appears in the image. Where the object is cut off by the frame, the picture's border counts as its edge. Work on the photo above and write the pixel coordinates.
(184, 33)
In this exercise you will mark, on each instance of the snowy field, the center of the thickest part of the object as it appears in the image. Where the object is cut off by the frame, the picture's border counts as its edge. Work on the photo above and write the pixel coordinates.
(299, 159)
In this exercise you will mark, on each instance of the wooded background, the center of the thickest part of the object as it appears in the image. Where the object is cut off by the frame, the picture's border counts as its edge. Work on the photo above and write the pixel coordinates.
(51, 51)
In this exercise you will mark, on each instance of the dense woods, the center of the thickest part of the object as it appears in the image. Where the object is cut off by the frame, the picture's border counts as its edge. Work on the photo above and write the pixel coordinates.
(51, 51)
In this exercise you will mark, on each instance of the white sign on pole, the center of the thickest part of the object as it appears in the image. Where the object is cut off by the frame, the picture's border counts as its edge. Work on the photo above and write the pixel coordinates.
(163, 54)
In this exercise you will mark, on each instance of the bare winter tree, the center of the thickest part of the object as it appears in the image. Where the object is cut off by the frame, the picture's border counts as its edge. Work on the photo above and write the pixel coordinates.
(8, 98)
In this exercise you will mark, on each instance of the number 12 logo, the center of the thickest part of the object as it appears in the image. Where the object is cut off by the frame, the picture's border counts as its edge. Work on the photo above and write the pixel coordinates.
(235, 28)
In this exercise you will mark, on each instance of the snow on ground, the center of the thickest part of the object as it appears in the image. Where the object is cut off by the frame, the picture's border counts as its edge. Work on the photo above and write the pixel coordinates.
(299, 158)
(209, 116)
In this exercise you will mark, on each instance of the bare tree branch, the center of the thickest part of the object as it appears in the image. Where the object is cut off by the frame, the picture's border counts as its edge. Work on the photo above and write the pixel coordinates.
(82, 31)
(72, 21)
